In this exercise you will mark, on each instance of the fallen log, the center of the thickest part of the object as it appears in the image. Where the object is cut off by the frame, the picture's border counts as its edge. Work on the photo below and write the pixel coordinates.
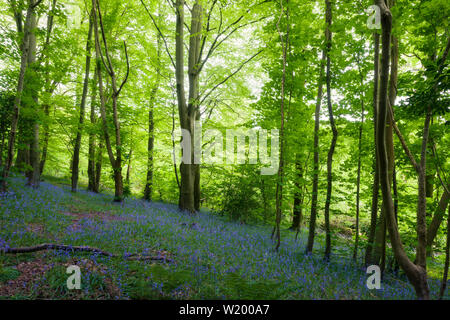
(51, 246)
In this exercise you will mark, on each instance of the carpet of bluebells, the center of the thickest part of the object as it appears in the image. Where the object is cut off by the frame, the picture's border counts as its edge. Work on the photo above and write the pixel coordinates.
(208, 257)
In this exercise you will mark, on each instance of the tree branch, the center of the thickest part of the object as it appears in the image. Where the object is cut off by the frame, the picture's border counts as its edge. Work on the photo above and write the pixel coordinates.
(128, 70)
(160, 32)
(229, 76)
(51, 246)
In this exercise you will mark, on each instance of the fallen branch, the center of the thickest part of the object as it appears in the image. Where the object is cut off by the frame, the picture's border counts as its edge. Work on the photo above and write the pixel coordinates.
(50, 246)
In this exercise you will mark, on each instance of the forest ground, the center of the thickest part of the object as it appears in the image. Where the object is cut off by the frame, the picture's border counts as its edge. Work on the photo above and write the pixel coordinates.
(205, 256)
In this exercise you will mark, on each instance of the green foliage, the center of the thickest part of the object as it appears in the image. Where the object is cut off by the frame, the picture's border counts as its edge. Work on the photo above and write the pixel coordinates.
(238, 287)
(239, 199)
(54, 283)
(156, 282)
(8, 273)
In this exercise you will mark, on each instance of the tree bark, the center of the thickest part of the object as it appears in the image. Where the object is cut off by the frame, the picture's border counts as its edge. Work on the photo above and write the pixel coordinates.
(33, 174)
(188, 111)
(46, 138)
(98, 166)
(437, 219)
(280, 175)
(92, 137)
(115, 159)
(127, 177)
(358, 174)
(446, 265)
(315, 187)
(77, 146)
(328, 35)
(49, 89)
(20, 86)
(148, 190)
(416, 273)
(376, 176)
(298, 195)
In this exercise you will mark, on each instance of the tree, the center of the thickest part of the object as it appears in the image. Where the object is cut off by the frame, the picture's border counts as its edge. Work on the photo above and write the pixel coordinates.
(26, 47)
(76, 149)
(280, 174)
(416, 273)
(151, 125)
(189, 109)
(328, 36)
(115, 159)
(315, 187)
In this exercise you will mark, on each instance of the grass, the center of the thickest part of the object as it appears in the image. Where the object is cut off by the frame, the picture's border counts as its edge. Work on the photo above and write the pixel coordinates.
(212, 258)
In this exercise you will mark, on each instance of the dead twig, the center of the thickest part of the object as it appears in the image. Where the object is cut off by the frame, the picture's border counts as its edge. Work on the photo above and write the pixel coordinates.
(51, 246)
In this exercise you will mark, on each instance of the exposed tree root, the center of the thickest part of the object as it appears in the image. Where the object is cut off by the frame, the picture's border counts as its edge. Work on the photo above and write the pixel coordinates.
(50, 246)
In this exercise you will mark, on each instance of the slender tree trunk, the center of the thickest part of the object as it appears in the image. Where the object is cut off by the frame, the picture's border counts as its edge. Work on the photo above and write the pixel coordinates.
(98, 167)
(49, 88)
(437, 219)
(446, 265)
(115, 160)
(20, 85)
(34, 173)
(376, 177)
(315, 187)
(22, 164)
(279, 189)
(186, 199)
(395, 189)
(188, 111)
(264, 199)
(148, 190)
(380, 242)
(196, 173)
(76, 149)
(298, 195)
(358, 179)
(127, 177)
(2, 146)
(328, 35)
(46, 137)
(416, 273)
(92, 138)
(149, 181)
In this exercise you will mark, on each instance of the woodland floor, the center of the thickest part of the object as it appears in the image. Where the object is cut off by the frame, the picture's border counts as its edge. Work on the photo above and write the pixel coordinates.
(204, 256)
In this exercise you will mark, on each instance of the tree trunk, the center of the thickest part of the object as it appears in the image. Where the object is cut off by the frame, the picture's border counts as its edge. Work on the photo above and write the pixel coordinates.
(115, 160)
(33, 174)
(328, 35)
(92, 136)
(127, 177)
(438, 217)
(358, 175)
(23, 149)
(188, 111)
(98, 167)
(446, 265)
(20, 85)
(380, 242)
(298, 195)
(315, 187)
(416, 273)
(76, 149)
(46, 135)
(49, 88)
(376, 177)
(148, 190)
(280, 176)
(379, 247)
